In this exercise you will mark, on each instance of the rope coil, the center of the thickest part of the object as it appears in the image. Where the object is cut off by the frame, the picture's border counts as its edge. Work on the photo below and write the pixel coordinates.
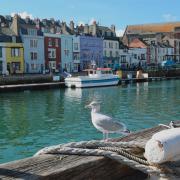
(112, 150)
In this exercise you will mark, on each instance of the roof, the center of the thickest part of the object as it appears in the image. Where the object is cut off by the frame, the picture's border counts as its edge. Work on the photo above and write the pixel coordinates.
(154, 28)
(137, 43)
(111, 38)
(164, 45)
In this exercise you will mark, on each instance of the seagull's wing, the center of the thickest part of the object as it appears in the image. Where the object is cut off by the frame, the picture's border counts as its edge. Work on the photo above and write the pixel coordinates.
(108, 123)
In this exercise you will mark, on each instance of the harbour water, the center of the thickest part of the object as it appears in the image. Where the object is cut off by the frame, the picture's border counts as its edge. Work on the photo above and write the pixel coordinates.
(32, 120)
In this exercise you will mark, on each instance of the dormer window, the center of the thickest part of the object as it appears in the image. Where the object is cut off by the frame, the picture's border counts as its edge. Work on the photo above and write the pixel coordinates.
(32, 32)
(14, 39)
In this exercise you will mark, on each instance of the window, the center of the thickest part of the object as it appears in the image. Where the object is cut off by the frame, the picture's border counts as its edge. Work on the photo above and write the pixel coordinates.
(105, 53)
(35, 66)
(16, 66)
(76, 46)
(33, 43)
(117, 54)
(152, 42)
(116, 45)
(104, 44)
(135, 56)
(0, 51)
(32, 32)
(123, 59)
(76, 56)
(125, 50)
(14, 39)
(110, 44)
(51, 53)
(50, 42)
(66, 52)
(33, 55)
(15, 52)
(142, 56)
(110, 53)
(52, 64)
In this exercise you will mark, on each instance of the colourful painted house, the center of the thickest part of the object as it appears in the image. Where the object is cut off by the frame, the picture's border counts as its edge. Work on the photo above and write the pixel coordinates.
(11, 55)
(15, 58)
(66, 53)
(91, 51)
(52, 50)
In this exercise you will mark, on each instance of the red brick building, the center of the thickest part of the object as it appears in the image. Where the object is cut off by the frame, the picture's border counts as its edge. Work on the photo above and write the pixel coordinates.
(52, 48)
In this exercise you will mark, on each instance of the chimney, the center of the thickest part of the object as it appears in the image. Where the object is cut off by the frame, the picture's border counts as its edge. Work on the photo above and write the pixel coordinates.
(63, 27)
(72, 25)
(94, 28)
(86, 29)
(15, 24)
(113, 28)
(27, 19)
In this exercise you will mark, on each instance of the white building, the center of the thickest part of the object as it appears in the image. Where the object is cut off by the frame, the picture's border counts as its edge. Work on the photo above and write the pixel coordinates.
(124, 56)
(138, 56)
(111, 51)
(139, 51)
(164, 52)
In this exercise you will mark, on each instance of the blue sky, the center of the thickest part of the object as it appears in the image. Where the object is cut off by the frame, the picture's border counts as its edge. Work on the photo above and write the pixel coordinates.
(106, 12)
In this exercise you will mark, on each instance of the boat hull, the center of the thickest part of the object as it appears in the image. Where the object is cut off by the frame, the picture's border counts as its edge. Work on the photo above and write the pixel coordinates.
(91, 82)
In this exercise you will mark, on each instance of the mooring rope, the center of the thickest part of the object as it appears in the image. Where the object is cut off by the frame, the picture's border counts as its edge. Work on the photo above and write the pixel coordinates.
(126, 154)
(112, 150)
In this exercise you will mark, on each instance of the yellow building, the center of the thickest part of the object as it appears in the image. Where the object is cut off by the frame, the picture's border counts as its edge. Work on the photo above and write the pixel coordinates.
(15, 58)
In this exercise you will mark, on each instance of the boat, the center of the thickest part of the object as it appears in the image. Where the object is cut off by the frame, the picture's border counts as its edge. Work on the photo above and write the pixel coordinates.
(94, 78)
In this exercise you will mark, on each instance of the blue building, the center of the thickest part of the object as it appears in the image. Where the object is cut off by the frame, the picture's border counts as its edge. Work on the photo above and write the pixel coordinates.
(33, 42)
(91, 51)
(66, 53)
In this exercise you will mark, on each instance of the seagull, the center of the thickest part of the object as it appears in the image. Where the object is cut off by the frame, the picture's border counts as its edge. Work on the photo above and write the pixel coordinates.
(104, 123)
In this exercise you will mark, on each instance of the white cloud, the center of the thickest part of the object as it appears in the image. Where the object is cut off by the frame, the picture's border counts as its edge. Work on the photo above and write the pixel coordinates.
(169, 17)
(23, 14)
(120, 32)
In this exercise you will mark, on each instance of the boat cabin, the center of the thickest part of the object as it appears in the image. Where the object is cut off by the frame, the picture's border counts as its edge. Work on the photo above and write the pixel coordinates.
(99, 71)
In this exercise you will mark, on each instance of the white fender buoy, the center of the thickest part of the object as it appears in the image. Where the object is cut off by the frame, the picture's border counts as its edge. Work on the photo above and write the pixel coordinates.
(163, 146)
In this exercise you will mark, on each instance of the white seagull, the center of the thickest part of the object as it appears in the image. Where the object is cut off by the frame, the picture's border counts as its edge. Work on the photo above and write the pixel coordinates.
(104, 123)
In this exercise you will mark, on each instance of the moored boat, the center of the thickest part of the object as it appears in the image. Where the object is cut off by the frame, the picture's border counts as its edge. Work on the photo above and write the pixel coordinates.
(94, 78)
